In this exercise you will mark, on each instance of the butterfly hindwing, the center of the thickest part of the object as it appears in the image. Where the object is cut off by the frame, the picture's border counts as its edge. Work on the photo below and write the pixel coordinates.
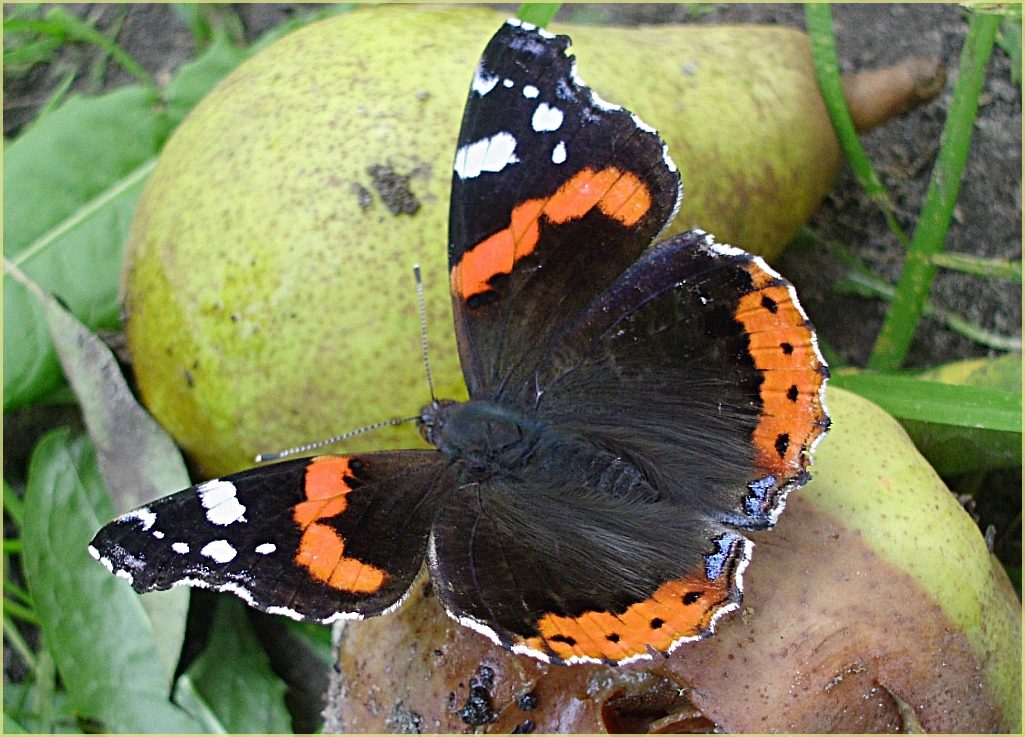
(570, 569)
(663, 407)
(316, 539)
(555, 193)
(699, 364)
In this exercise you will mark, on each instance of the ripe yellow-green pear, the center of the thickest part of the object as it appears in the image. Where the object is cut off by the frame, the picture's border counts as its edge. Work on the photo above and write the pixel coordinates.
(268, 284)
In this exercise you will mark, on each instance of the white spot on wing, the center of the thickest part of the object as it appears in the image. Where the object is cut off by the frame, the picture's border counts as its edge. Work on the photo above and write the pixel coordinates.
(158, 534)
(530, 91)
(180, 548)
(483, 83)
(488, 154)
(546, 118)
(221, 504)
(219, 551)
(507, 83)
(143, 514)
(125, 575)
(266, 548)
(559, 153)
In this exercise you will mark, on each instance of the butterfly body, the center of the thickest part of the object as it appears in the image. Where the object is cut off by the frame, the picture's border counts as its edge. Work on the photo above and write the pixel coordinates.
(633, 409)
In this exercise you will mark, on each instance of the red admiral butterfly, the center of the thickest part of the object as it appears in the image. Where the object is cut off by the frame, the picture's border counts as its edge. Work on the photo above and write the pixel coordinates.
(633, 408)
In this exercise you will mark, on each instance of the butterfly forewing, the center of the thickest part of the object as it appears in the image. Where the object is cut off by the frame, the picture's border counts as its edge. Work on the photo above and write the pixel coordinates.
(555, 192)
(316, 539)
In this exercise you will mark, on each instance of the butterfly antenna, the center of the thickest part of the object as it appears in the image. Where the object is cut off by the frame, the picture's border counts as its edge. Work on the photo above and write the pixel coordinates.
(264, 457)
(337, 438)
(423, 327)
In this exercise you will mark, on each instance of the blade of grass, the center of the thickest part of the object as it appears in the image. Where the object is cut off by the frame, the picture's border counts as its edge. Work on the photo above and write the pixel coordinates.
(60, 24)
(56, 98)
(97, 74)
(931, 401)
(992, 268)
(17, 642)
(206, 21)
(17, 592)
(819, 20)
(864, 282)
(13, 504)
(906, 309)
(16, 610)
(540, 14)
(1009, 40)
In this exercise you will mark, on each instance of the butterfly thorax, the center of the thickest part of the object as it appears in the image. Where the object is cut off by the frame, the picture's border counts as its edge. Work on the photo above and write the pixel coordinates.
(482, 435)
(490, 440)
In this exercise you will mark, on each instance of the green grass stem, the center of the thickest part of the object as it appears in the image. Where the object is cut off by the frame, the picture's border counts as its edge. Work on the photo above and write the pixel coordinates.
(59, 24)
(862, 281)
(912, 291)
(13, 636)
(819, 20)
(990, 268)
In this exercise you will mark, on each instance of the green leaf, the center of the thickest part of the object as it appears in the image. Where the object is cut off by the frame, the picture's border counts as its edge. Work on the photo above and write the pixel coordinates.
(540, 14)
(196, 78)
(70, 186)
(930, 401)
(38, 709)
(11, 726)
(315, 637)
(138, 460)
(95, 625)
(952, 450)
(188, 697)
(234, 675)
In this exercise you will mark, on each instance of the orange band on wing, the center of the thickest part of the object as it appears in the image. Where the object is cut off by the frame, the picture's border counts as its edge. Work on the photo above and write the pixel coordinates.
(620, 195)
(321, 551)
(678, 609)
(782, 345)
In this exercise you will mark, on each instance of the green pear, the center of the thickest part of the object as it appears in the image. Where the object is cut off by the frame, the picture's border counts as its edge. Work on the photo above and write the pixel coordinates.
(268, 286)
(873, 606)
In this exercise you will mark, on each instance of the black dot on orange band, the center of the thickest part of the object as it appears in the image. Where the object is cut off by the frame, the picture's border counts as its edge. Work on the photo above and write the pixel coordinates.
(657, 623)
(793, 393)
(787, 348)
(612, 638)
(563, 638)
(782, 443)
(769, 303)
(691, 597)
(351, 481)
(481, 299)
(357, 468)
